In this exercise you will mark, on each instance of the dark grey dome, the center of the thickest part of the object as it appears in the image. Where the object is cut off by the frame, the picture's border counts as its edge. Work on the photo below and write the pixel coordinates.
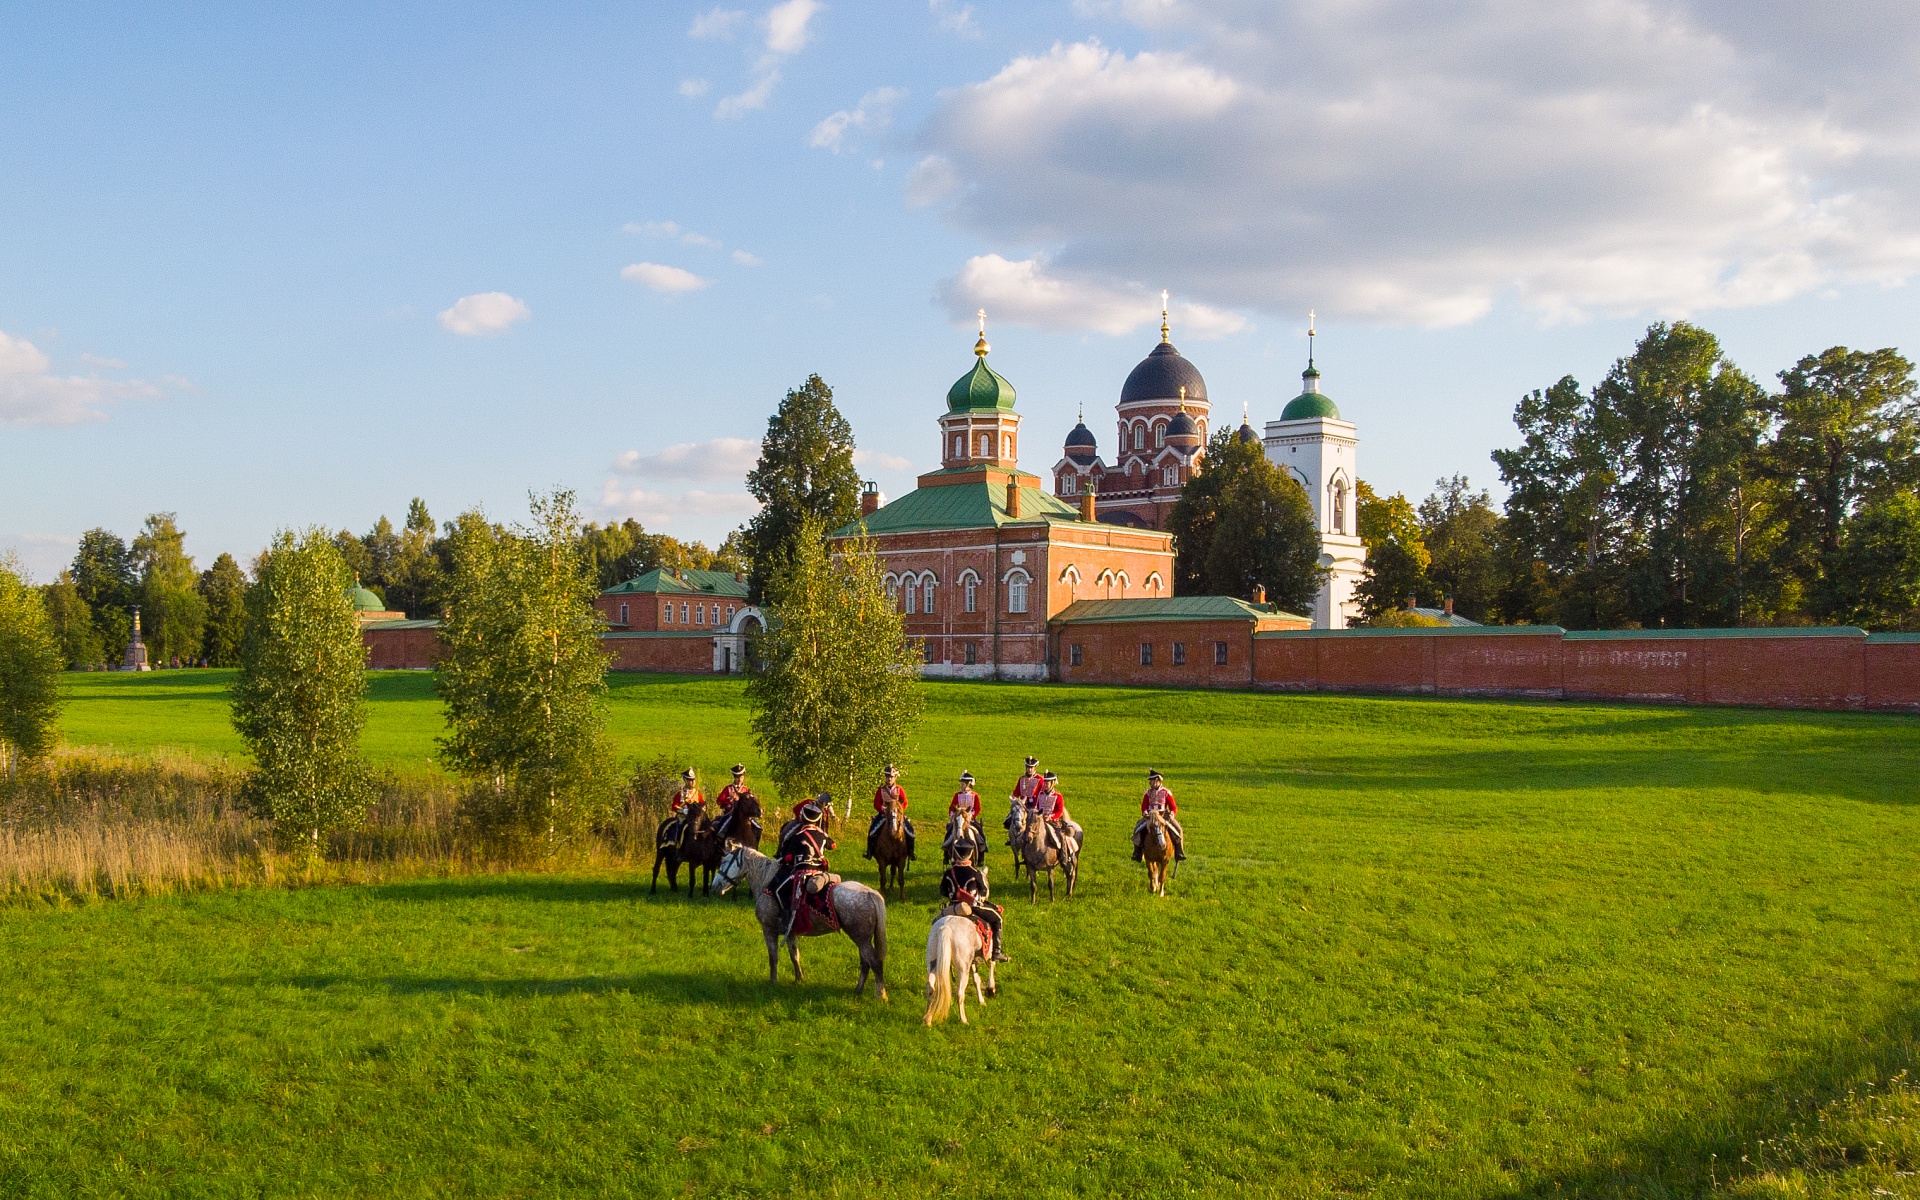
(1247, 434)
(1081, 445)
(1183, 426)
(1161, 375)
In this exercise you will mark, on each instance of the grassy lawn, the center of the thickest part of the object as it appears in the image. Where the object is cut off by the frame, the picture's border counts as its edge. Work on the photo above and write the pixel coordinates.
(1423, 948)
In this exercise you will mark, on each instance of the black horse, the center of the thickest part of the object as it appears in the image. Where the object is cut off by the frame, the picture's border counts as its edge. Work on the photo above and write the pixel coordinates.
(741, 823)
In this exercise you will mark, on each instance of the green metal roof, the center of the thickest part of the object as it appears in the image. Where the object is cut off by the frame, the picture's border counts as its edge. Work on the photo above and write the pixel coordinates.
(981, 505)
(1601, 635)
(1893, 637)
(365, 600)
(1308, 405)
(688, 583)
(396, 623)
(1421, 631)
(1169, 608)
(980, 388)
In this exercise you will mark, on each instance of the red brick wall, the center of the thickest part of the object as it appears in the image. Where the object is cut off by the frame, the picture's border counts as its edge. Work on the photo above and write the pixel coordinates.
(401, 649)
(1633, 669)
(690, 655)
(1110, 652)
(1892, 673)
(1500, 664)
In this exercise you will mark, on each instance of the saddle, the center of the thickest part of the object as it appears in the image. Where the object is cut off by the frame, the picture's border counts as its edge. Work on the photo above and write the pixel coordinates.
(962, 909)
(813, 904)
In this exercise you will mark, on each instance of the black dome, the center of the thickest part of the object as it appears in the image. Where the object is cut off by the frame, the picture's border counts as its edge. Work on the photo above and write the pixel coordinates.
(1182, 425)
(1081, 446)
(1161, 375)
(1247, 434)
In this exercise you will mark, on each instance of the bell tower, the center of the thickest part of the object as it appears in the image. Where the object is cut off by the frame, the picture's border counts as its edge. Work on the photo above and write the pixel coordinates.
(1319, 450)
(980, 428)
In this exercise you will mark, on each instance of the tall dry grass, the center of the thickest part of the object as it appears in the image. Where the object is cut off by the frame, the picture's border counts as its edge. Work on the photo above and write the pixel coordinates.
(90, 823)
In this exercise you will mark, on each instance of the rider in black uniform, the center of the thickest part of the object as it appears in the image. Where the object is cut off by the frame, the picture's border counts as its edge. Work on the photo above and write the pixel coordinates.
(802, 851)
(967, 883)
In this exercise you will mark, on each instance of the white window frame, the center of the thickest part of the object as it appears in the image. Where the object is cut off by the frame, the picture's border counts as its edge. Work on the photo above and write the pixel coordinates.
(908, 594)
(970, 583)
(1019, 585)
(926, 594)
(623, 615)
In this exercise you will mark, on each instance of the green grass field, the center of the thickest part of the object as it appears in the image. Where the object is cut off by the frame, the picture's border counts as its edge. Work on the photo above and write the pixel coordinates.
(1423, 948)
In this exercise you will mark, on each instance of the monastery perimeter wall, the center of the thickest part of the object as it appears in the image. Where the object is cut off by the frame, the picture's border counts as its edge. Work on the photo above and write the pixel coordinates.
(1842, 669)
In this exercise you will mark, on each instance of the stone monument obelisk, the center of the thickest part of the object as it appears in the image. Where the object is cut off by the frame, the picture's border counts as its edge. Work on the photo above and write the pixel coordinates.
(136, 649)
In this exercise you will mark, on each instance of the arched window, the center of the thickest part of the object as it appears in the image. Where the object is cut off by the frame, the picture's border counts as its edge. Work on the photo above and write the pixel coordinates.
(1006, 445)
(1120, 577)
(959, 446)
(1155, 583)
(1340, 506)
(1017, 592)
(986, 445)
(926, 595)
(910, 597)
(623, 614)
(973, 604)
(1170, 476)
(1159, 434)
(1139, 437)
(893, 591)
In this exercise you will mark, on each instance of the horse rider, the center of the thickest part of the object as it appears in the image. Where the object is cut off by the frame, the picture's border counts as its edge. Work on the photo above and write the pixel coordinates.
(966, 801)
(1023, 790)
(889, 792)
(732, 794)
(1052, 807)
(1159, 799)
(966, 884)
(802, 852)
(687, 802)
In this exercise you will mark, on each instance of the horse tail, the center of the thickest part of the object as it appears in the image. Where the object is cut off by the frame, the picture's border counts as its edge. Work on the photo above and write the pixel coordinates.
(880, 942)
(939, 987)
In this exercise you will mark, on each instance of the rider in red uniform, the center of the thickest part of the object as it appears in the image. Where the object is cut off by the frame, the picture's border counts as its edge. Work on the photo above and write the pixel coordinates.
(1052, 807)
(966, 803)
(1158, 797)
(689, 794)
(686, 805)
(888, 790)
(731, 794)
(1023, 790)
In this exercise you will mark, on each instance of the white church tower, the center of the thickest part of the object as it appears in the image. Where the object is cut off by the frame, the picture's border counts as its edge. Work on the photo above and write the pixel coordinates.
(1311, 443)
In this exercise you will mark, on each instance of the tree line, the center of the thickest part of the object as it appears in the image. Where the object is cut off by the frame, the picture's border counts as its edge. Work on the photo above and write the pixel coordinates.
(1678, 492)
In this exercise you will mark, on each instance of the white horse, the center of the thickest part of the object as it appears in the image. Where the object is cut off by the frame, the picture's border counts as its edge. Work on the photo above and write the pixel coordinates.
(954, 946)
(862, 913)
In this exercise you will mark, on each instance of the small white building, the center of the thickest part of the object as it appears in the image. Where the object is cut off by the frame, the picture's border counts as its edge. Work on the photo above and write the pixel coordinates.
(1311, 443)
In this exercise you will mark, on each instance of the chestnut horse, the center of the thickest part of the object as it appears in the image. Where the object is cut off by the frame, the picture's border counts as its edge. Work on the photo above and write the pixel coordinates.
(888, 848)
(1156, 850)
(1038, 855)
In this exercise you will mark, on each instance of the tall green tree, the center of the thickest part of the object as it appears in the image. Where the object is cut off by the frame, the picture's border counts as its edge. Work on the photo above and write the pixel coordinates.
(104, 573)
(834, 686)
(1397, 557)
(30, 665)
(223, 587)
(354, 553)
(73, 624)
(1241, 522)
(1687, 420)
(300, 699)
(805, 475)
(382, 545)
(1874, 578)
(173, 615)
(414, 581)
(524, 679)
(1847, 430)
(1462, 532)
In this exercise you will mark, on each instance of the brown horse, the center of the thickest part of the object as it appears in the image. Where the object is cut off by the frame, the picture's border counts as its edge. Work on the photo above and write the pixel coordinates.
(1034, 850)
(742, 822)
(687, 838)
(1156, 850)
(861, 911)
(888, 848)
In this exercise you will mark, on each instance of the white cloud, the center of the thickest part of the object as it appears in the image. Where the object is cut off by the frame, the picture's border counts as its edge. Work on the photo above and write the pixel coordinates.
(954, 18)
(751, 100)
(875, 111)
(876, 458)
(693, 88)
(1405, 162)
(674, 510)
(31, 394)
(484, 314)
(746, 259)
(787, 33)
(663, 278)
(671, 229)
(787, 23)
(931, 181)
(717, 23)
(1027, 293)
(711, 461)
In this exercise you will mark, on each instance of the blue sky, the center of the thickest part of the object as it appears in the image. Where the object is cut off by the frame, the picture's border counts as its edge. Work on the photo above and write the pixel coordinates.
(266, 267)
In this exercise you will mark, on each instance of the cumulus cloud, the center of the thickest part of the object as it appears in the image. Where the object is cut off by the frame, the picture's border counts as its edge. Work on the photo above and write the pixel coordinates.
(662, 278)
(719, 459)
(1026, 292)
(788, 30)
(877, 458)
(672, 229)
(717, 23)
(1402, 162)
(484, 314)
(875, 111)
(32, 394)
(675, 510)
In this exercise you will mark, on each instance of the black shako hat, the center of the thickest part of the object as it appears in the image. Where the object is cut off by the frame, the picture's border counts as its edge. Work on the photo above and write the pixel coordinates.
(1032, 761)
(966, 777)
(739, 769)
(1152, 775)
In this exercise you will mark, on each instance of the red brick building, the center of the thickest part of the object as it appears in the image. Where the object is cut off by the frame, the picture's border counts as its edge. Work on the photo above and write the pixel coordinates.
(980, 557)
(679, 620)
